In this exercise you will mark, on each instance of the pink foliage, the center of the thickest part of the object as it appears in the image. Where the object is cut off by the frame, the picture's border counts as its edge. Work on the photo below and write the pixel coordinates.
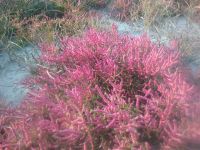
(102, 91)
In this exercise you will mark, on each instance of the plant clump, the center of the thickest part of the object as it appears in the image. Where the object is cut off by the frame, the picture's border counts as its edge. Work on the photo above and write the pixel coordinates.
(101, 90)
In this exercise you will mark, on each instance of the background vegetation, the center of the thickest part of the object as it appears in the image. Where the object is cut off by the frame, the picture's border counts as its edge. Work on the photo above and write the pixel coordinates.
(23, 21)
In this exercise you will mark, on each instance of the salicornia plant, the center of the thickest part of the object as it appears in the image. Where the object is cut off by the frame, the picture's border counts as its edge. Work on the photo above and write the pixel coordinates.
(103, 91)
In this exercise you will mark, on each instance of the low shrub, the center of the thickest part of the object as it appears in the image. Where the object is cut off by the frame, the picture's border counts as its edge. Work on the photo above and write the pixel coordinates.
(101, 90)
(94, 4)
(50, 9)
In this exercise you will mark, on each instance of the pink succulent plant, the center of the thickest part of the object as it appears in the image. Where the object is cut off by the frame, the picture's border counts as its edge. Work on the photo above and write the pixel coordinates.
(101, 90)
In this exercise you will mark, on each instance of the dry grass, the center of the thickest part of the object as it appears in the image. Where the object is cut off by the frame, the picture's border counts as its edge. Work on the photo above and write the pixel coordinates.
(194, 11)
(36, 30)
(27, 22)
(41, 27)
(153, 11)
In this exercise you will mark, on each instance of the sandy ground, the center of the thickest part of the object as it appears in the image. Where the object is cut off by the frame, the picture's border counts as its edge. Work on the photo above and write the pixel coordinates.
(15, 69)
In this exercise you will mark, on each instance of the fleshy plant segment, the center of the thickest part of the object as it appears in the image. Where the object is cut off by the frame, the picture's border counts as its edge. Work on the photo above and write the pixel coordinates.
(102, 90)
